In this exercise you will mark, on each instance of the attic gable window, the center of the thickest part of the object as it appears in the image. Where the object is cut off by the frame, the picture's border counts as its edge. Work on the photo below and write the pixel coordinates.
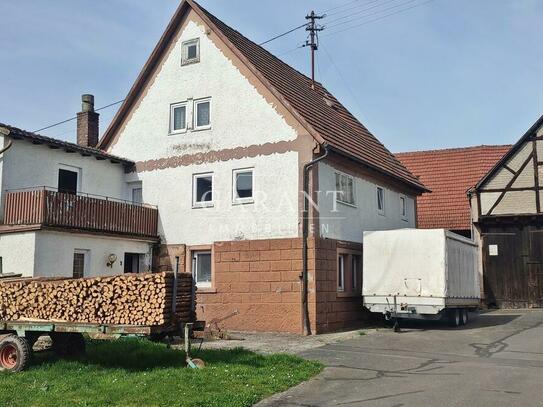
(190, 52)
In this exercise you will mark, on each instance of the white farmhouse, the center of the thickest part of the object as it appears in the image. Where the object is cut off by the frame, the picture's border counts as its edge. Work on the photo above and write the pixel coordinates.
(228, 141)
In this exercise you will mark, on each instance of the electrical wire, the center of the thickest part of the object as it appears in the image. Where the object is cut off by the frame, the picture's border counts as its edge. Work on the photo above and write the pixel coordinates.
(375, 19)
(283, 34)
(75, 117)
(120, 101)
(351, 19)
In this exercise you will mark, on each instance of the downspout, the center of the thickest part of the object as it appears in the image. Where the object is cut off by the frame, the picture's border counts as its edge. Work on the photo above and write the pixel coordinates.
(305, 232)
(6, 148)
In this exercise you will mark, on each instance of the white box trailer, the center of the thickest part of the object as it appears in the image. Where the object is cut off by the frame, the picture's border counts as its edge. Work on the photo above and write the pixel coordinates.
(420, 273)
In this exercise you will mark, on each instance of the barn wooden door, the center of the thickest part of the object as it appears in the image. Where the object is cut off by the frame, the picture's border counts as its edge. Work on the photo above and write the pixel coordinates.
(505, 277)
(535, 267)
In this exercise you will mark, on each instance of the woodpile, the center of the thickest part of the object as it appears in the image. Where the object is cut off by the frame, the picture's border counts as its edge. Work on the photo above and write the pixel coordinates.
(128, 299)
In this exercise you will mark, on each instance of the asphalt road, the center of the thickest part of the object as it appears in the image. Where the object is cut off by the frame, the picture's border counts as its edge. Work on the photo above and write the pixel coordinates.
(496, 360)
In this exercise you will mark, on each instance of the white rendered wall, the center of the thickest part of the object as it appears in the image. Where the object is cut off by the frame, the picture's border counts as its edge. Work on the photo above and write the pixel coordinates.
(29, 165)
(273, 214)
(18, 253)
(349, 222)
(55, 250)
(240, 116)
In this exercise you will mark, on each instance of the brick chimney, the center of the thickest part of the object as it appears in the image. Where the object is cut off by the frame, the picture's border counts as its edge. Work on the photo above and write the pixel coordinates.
(87, 123)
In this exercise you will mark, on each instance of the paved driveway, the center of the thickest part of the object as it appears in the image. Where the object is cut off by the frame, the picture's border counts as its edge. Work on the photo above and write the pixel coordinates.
(497, 360)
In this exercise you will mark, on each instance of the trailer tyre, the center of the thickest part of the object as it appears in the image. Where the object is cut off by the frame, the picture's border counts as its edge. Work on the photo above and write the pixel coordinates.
(464, 316)
(454, 317)
(15, 354)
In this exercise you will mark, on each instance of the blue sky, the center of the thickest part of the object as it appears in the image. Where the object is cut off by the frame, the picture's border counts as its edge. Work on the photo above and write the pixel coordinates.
(445, 73)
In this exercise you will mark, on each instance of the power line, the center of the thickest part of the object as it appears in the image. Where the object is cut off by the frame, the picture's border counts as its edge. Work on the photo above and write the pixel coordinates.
(368, 14)
(283, 34)
(340, 6)
(377, 19)
(365, 3)
(75, 117)
(120, 101)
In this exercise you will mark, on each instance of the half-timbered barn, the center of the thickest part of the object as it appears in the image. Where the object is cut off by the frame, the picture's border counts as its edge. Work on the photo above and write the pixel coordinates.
(508, 218)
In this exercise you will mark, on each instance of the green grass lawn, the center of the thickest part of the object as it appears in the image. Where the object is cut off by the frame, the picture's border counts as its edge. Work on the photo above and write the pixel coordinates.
(134, 372)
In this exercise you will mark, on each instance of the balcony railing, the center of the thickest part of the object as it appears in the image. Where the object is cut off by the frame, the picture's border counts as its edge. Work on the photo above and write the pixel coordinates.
(48, 207)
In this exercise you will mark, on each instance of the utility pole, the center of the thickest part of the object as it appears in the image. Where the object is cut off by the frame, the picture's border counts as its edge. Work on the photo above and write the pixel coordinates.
(313, 40)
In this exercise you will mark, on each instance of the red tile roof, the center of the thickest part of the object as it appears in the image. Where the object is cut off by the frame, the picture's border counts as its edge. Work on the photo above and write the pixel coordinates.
(449, 174)
(326, 119)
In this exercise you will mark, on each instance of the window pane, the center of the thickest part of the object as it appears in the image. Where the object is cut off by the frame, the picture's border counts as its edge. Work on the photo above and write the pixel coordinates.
(192, 51)
(244, 184)
(137, 195)
(355, 272)
(179, 117)
(67, 181)
(79, 265)
(402, 205)
(380, 199)
(349, 192)
(202, 115)
(204, 186)
(203, 267)
(341, 271)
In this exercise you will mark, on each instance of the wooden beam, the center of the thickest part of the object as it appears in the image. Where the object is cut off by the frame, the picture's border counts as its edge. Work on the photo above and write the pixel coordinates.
(536, 177)
(510, 183)
(509, 169)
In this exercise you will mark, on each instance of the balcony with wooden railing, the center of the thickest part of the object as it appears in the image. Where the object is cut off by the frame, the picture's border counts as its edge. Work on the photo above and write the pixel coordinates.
(48, 207)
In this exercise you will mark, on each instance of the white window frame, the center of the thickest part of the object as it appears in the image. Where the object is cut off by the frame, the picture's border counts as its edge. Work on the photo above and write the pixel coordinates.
(172, 117)
(131, 186)
(341, 272)
(195, 115)
(403, 207)
(339, 195)
(184, 51)
(235, 198)
(380, 211)
(194, 255)
(203, 204)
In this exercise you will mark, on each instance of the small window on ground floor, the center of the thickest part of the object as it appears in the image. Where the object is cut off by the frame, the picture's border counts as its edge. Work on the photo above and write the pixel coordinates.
(134, 263)
(341, 272)
(201, 268)
(81, 259)
(349, 277)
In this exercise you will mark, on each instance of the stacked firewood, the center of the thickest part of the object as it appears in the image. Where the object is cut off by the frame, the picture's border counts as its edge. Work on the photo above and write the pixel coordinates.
(128, 299)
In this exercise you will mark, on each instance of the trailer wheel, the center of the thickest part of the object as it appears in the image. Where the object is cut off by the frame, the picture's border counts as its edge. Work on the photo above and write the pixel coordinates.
(464, 316)
(68, 345)
(15, 354)
(454, 317)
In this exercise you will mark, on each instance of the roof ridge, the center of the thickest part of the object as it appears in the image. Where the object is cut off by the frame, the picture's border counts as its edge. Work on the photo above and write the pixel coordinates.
(454, 149)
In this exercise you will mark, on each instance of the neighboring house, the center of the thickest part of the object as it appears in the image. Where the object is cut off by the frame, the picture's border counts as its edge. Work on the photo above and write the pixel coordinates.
(224, 138)
(220, 131)
(449, 174)
(507, 213)
(66, 209)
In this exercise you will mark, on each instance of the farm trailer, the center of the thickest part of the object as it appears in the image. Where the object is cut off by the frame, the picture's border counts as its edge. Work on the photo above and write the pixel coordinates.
(17, 337)
(429, 274)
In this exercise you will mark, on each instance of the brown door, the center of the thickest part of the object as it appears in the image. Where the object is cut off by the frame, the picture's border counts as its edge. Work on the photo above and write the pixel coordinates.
(505, 277)
(535, 268)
